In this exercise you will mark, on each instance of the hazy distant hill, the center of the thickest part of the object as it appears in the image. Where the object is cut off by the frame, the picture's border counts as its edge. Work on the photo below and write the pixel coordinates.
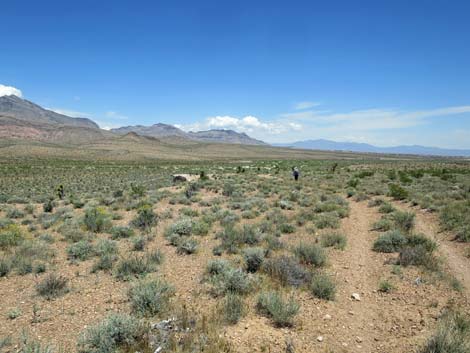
(327, 145)
(225, 136)
(156, 130)
(165, 130)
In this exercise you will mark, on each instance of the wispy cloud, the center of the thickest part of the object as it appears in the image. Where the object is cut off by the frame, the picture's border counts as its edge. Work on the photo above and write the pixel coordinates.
(71, 113)
(10, 91)
(305, 105)
(115, 115)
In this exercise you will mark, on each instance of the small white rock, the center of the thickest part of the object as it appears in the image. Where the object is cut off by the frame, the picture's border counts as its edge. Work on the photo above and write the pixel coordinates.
(356, 296)
(327, 317)
(320, 338)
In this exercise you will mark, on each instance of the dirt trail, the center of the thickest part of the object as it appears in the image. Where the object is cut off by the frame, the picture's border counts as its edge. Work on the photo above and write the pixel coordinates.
(357, 269)
(427, 224)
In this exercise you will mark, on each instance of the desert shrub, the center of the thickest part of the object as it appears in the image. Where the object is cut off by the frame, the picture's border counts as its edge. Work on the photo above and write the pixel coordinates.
(10, 236)
(5, 266)
(216, 267)
(120, 232)
(228, 189)
(417, 256)
(286, 228)
(456, 216)
(280, 310)
(385, 286)
(253, 258)
(420, 239)
(231, 280)
(133, 267)
(81, 250)
(96, 220)
(28, 345)
(322, 286)
(273, 243)
(327, 220)
(105, 246)
(382, 225)
(138, 243)
(23, 266)
(386, 207)
(52, 286)
(397, 192)
(337, 240)
(201, 228)
(149, 298)
(115, 332)
(287, 271)
(72, 232)
(310, 254)
(145, 218)
(187, 246)
(463, 233)
(183, 226)
(14, 213)
(404, 221)
(233, 308)
(389, 242)
(452, 335)
(104, 262)
(375, 202)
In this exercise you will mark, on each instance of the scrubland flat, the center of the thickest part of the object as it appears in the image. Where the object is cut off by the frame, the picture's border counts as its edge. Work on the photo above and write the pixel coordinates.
(358, 255)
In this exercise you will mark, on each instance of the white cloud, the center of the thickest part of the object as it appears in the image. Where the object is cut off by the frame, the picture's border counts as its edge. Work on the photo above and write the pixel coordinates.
(10, 91)
(305, 105)
(248, 124)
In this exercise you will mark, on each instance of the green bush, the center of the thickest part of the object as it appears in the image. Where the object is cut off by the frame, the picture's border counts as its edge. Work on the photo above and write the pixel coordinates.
(233, 308)
(287, 271)
(11, 235)
(231, 280)
(322, 286)
(52, 286)
(386, 208)
(404, 221)
(187, 246)
(120, 232)
(81, 250)
(389, 242)
(133, 267)
(397, 192)
(385, 286)
(145, 219)
(281, 311)
(382, 225)
(310, 254)
(149, 298)
(418, 256)
(452, 335)
(337, 240)
(96, 220)
(254, 258)
(116, 332)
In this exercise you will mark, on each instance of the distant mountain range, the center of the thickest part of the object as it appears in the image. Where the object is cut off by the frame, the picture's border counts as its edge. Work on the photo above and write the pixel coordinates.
(164, 130)
(22, 119)
(327, 145)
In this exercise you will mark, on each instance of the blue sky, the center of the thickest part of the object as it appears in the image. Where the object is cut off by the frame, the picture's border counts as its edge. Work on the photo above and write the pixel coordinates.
(383, 72)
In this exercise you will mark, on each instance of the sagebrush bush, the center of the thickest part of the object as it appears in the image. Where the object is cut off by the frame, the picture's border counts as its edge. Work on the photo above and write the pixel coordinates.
(133, 266)
(231, 280)
(149, 298)
(52, 286)
(280, 310)
(81, 250)
(10, 236)
(120, 232)
(233, 308)
(145, 219)
(389, 242)
(418, 255)
(322, 286)
(334, 239)
(452, 335)
(404, 221)
(116, 332)
(397, 192)
(254, 258)
(287, 271)
(187, 246)
(310, 254)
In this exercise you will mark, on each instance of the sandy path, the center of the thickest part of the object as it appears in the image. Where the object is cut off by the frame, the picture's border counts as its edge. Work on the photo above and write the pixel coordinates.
(428, 224)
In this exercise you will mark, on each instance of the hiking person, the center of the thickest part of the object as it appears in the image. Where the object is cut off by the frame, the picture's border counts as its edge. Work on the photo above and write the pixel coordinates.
(295, 173)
